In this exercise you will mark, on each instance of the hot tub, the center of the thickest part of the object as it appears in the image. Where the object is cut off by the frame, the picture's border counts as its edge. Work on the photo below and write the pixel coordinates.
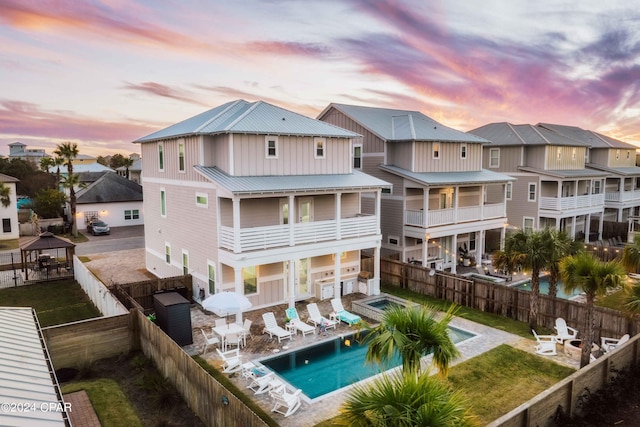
(373, 307)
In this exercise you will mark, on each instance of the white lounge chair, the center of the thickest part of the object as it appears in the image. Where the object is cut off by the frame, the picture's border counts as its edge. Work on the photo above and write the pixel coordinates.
(343, 315)
(316, 318)
(271, 327)
(285, 402)
(209, 340)
(297, 323)
(564, 332)
(231, 360)
(608, 344)
(546, 344)
(265, 383)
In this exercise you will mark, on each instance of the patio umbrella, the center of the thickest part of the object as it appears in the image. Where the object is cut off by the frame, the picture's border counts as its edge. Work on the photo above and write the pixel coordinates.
(225, 303)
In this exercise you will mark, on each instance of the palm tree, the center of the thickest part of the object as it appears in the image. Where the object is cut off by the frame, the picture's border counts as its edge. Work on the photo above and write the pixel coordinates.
(46, 163)
(631, 256)
(5, 195)
(57, 162)
(412, 332)
(559, 245)
(69, 151)
(127, 162)
(593, 277)
(401, 400)
(506, 262)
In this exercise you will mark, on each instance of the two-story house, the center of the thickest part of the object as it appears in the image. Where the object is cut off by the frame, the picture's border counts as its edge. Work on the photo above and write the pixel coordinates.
(553, 188)
(444, 208)
(259, 200)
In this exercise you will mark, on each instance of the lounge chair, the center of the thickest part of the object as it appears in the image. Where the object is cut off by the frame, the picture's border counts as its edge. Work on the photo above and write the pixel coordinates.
(564, 332)
(265, 383)
(209, 340)
(285, 402)
(546, 344)
(297, 323)
(343, 315)
(271, 327)
(608, 344)
(316, 318)
(232, 361)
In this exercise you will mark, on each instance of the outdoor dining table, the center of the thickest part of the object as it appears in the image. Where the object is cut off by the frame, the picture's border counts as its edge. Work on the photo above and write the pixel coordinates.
(230, 328)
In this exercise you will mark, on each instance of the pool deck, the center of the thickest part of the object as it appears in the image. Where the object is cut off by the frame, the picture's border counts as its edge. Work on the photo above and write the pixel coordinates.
(260, 346)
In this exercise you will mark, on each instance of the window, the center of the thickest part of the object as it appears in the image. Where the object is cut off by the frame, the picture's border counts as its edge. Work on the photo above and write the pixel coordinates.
(161, 157)
(271, 147)
(393, 240)
(532, 192)
(284, 211)
(436, 151)
(443, 200)
(185, 262)
(472, 241)
(163, 203)
(386, 190)
(181, 165)
(527, 224)
(167, 253)
(357, 156)
(617, 154)
(319, 143)
(250, 280)
(130, 214)
(559, 153)
(573, 153)
(463, 151)
(211, 274)
(494, 157)
(509, 190)
(202, 200)
(596, 187)
(6, 225)
(628, 153)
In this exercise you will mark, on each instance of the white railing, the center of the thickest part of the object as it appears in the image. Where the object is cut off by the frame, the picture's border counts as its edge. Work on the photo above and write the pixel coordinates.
(453, 216)
(564, 203)
(273, 236)
(624, 196)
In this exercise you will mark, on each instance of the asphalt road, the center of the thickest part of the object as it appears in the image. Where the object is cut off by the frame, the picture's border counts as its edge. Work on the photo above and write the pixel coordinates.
(121, 238)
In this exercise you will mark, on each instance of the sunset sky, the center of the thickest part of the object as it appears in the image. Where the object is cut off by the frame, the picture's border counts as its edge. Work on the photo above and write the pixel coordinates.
(104, 73)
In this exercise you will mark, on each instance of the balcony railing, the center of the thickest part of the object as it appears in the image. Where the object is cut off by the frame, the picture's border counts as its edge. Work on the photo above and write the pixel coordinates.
(453, 216)
(564, 203)
(622, 196)
(273, 236)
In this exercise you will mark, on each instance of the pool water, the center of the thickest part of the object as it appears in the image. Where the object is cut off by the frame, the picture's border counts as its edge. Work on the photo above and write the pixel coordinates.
(334, 364)
(383, 304)
(544, 289)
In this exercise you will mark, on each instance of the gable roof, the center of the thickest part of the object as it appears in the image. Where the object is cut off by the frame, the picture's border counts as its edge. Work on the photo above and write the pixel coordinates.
(83, 167)
(401, 125)
(46, 240)
(482, 176)
(506, 134)
(593, 139)
(249, 117)
(109, 188)
(8, 178)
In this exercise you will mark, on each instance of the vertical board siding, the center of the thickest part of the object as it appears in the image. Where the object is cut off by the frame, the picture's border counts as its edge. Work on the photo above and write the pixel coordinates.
(449, 160)
(566, 160)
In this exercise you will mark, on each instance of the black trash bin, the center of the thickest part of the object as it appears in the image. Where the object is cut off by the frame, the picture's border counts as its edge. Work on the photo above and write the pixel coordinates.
(173, 316)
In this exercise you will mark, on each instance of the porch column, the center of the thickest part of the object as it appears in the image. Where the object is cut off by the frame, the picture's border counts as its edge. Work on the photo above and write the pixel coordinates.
(455, 205)
(573, 227)
(503, 232)
(587, 228)
(239, 282)
(601, 225)
(425, 249)
(454, 253)
(336, 275)
(376, 270)
(378, 210)
(292, 283)
(425, 207)
(482, 192)
(619, 218)
(480, 249)
(338, 215)
(292, 220)
(237, 243)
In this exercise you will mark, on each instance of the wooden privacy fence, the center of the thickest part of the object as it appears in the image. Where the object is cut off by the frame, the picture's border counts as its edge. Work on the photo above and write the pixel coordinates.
(499, 298)
(139, 295)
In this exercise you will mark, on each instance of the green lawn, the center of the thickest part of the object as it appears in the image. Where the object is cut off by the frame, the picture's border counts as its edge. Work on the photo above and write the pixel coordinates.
(55, 302)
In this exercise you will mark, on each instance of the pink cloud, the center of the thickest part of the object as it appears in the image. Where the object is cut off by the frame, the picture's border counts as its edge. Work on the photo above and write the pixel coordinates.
(158, 89)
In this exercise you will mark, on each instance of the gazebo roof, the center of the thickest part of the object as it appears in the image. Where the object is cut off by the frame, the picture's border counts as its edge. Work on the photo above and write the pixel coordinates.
(46, 240)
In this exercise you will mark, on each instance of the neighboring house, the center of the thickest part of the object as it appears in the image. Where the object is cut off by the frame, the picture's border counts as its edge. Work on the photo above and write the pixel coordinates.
(18, 150)
(256, 199)
(553, 188)
(82, 167)
(135, 171)
(618, 160)
(9, 215)
(444, 208)
(111, 198)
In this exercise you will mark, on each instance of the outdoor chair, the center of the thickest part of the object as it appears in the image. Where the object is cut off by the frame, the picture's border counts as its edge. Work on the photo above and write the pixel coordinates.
(608, 344)
(209, 340)
(343, 315)
(232, 340)
(265, 383)
(316, 318)
(271, 327)
(285, 402)
(297, 323)
(220, 322)
(546, 344)
(232, 361)
(564, 332)
(247, 331)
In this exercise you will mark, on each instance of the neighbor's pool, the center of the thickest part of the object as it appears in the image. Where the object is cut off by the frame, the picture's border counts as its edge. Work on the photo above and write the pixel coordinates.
(544, 289)
(332, 365)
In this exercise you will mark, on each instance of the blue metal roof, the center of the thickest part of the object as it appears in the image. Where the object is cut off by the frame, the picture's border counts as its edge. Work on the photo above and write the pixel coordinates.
(587, 137)
(482, 176)
(249, 117)
(505, 134)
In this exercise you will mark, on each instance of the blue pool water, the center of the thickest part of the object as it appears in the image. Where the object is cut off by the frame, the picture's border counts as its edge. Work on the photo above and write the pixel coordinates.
(334, 364)
(544, 289)
(383, 304)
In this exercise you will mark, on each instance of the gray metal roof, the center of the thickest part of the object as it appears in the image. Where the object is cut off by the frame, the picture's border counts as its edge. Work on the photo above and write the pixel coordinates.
(109, 188)
(249, 117)
(505, 134)
(8, 178)
(450, 178)
(587, 137)
(26, 375)
(292, 183)
(624, 171)
(565, 173)
(402, 125)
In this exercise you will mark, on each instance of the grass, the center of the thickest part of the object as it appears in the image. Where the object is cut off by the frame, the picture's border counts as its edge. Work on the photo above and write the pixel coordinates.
(108, 400)
(8, 245)
(55, 303)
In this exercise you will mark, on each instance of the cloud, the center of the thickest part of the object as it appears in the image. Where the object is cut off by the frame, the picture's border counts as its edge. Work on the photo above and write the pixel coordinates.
(284, 48)
(164, 91)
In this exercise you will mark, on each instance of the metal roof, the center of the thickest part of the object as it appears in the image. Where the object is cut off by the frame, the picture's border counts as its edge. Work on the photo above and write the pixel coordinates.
(109, 188)
(625, 171)
(26, 375)
(593, 139)
(504, 134)
(482, 176)
(565, 173)
(291, 183)
(249, 117)
(402, 125)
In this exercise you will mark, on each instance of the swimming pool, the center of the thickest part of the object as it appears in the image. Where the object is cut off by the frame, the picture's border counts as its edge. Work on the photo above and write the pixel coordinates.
(332, 365)
(544, 288)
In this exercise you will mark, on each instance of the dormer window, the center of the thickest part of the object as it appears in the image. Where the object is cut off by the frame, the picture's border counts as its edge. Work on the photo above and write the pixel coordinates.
(617, 154)
(181, 162)
(436, 151)
(573, 153)
(319, 147)
(559, 153)
(271, 147)
(463, 151)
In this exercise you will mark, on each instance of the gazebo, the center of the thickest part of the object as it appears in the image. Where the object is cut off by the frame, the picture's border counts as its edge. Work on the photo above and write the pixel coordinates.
(38, 253)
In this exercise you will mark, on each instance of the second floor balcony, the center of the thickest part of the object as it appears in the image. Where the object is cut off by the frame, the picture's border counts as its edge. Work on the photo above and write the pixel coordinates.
(449, 216)
(572, 202)
(623, 196)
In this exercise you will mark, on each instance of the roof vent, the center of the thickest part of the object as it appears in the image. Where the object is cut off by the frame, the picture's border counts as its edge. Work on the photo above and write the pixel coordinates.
(283, 119)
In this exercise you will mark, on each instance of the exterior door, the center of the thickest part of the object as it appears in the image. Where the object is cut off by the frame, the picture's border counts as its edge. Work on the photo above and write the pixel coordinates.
(302, 277)
(305, 209)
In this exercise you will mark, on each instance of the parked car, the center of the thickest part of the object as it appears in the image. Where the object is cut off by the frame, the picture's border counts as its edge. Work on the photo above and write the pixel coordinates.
(98, 227)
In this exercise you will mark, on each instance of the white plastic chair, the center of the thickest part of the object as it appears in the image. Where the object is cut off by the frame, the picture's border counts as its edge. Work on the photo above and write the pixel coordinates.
(221, 322)
(209, 340)
(564, 332)
(271, 327)
(316, 318)
(546, 344)
(285, 402)
(231, 360)
(247, 331)
(608, 344)
(232, 340)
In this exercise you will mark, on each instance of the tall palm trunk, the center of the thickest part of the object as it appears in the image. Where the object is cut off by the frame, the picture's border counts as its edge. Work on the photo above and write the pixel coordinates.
(534, 304)
(590, 327)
